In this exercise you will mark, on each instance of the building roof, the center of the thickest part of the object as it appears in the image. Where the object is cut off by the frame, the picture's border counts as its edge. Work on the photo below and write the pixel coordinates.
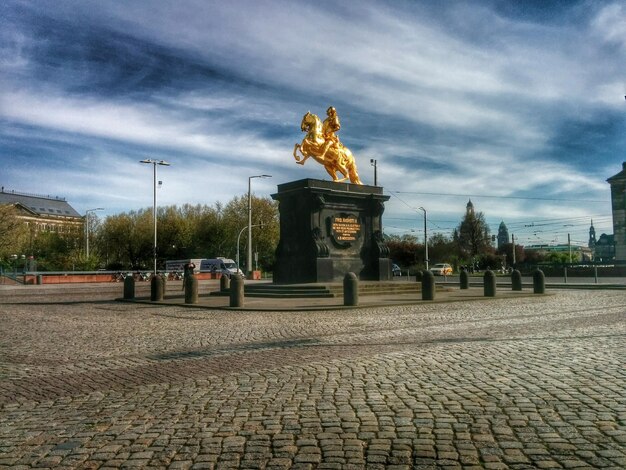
(621, 176)
(41, 205)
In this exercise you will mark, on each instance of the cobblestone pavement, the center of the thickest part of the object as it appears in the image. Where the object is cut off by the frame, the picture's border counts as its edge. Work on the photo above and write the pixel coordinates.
(530, 382)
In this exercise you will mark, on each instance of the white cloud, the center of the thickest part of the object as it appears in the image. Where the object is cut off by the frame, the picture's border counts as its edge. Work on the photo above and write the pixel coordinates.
(493, 94)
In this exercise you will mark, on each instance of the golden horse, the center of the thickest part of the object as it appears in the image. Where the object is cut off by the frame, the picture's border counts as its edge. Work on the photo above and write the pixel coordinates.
(337, 157)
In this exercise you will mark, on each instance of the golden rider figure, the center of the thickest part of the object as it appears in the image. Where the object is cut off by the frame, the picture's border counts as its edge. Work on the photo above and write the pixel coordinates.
(329, 127)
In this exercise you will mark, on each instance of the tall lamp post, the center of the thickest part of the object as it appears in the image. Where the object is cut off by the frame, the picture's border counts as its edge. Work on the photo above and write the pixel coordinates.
(425, 239)
(374, 163)
(154, 164)
(239, 237)
(87, 212)
(249, 258)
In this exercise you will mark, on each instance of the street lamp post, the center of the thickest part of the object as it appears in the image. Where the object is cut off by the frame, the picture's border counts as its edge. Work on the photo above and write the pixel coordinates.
(513, 242)
(239, 236)
(373, 162)
(154, 203)
(87, 212)
(425, 239)
(249, 258)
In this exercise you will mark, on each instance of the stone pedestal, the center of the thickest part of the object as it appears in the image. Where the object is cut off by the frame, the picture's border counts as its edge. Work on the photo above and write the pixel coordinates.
(328, 229)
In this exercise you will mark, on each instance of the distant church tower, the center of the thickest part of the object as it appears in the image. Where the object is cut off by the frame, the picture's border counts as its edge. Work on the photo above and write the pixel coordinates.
(618, 202)
(592, 236)
(469, 209)
(503, 235)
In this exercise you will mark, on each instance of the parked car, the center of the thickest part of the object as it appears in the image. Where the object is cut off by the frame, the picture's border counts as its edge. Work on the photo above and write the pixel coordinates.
(441, 269)
(395, 270)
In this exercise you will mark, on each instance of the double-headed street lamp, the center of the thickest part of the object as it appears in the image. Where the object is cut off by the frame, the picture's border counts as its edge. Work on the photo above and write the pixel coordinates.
(425, 239)
(249, 260)
(87, 212)
(154, 206)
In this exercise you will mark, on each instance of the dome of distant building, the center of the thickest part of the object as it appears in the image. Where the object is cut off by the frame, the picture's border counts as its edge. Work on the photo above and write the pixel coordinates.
(503, 235)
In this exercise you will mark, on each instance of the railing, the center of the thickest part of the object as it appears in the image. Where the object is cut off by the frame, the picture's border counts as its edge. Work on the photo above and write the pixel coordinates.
(71, 277)
(18, 193)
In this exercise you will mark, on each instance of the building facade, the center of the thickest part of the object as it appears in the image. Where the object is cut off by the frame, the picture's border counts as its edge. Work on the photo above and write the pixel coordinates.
(44, 213)
(618, 205)
(503, 235)
(604, 249)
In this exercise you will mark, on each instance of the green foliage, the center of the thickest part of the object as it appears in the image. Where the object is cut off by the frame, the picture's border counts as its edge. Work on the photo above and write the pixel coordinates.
(57, 252)
(441, 249)
(404, 250)
(126, 240)
(13, 232)
(408, 253)
(472, 236)
(507, 249)
(553, 257)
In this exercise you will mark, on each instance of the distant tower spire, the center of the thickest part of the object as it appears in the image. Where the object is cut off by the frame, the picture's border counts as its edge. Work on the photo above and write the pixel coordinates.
(592, 236)
(469, 209)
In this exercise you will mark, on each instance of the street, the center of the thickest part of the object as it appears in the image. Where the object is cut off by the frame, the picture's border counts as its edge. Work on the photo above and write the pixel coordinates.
(529, 382)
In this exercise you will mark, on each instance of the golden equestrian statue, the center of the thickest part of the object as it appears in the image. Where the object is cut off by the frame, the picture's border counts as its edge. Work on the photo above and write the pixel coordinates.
(322, 144)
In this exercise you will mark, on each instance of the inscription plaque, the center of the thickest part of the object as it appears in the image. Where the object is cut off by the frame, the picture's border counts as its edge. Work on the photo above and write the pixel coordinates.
(345, 228)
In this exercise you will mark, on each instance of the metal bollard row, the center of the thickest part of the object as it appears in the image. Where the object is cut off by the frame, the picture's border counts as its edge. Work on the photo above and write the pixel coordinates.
(191, 289)
(489, 280)
(428, 285)
(539, 282)
(236, 291)
(350, 290)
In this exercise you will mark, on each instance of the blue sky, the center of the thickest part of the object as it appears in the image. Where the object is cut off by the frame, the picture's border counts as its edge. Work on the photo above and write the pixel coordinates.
(516, 105)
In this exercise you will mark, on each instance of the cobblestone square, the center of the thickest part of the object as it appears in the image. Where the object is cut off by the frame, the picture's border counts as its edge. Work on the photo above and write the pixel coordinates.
(529, 382)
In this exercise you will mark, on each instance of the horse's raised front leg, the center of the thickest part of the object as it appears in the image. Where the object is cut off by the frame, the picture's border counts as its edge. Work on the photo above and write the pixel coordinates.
(295, 155)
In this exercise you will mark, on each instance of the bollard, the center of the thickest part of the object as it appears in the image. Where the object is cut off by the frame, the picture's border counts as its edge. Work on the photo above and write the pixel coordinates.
(191, 289)
(539, 282)
(157, 287)
(350, 290)
(129, 288)
(516, 280)
(489, 280)
(464, 279)
(428, 285)
(236, 291)
(40, 278)
(224, 283)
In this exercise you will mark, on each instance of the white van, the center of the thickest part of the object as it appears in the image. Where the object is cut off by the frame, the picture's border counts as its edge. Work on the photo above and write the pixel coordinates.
(225, 266)
(178, 265)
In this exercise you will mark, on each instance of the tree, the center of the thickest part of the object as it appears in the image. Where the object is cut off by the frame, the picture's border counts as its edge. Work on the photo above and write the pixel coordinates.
(12, 229)
(441, 249)
(472, 236)
(58, 252)
(404, 250)
(126, 240)
(265, 235)
(507, 249)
